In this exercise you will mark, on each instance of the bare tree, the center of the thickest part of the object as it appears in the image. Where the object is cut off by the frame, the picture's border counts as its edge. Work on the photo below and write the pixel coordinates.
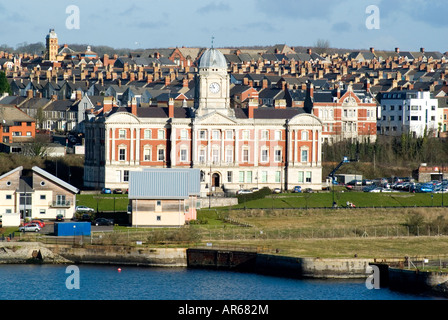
(321, 46)
(38, 147)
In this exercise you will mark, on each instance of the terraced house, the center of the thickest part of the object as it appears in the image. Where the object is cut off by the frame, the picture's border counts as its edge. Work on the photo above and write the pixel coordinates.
(234, 148)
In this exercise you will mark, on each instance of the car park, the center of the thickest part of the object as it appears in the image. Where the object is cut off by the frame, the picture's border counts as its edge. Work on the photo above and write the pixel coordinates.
(103, 222)
(30, 228)
(84, 209)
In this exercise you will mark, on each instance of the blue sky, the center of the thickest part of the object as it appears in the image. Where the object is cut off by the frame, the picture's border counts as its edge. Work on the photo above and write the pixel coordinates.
(407, 24)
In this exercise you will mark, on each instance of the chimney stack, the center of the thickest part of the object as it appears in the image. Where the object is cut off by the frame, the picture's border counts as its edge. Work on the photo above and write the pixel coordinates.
(78, 95)
(134, 106)
(252, 105)
(171, 108)
(311, 90)
(280, 104)
(107, 104)
(264, 83)
(372, 49)
(29, 94)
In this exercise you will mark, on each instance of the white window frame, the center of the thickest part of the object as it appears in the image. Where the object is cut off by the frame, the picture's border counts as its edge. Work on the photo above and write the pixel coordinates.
(184, 134)
(264, 156)
(147, 153)
(302, 158)
(216, 135)
(278, 155)
(278, 135)
(245, 135)
(184, 154)
(147, 134)
(245, 155)
(161, 152)
(122, 157)
(304, 136)
(202, 155)
(229, 155)
(264, 135)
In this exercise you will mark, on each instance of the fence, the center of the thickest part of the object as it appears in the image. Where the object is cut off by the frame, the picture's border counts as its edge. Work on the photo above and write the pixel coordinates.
(237, 232)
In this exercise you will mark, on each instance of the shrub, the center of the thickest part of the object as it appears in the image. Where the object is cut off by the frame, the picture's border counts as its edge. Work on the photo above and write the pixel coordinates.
(414, 221)
(260, 194)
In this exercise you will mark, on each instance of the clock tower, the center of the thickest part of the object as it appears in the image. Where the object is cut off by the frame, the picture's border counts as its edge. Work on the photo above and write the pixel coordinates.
(213, 84)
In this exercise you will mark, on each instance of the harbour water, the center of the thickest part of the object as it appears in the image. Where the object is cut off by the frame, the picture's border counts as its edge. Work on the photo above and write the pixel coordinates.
(95, 282)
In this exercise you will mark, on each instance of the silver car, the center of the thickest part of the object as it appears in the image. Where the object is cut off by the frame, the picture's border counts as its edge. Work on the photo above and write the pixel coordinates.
(30, 228)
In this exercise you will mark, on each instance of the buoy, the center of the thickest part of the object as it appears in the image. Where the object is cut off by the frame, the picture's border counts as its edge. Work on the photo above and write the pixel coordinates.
(119, 269)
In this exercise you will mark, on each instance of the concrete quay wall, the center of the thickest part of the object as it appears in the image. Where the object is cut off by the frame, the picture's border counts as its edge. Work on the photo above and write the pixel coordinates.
(35, 252)
(277, 265)
(418, 281)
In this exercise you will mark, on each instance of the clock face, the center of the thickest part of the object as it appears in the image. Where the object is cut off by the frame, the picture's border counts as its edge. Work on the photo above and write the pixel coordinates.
(214, 87)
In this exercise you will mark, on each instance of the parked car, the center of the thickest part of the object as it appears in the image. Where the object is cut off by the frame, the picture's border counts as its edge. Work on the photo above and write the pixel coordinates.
(60, 217)
(243, 191)
(30, 228)
(40, 224)
(84, 209)
(277, 190)
(308, 190)
(255, 189)
(106, 191)
(86, 217)
(103, 222)
(39, 221)
(297, 189)
(118, 191)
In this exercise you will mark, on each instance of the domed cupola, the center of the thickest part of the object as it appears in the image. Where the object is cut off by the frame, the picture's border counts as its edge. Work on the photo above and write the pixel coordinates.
(212, 59)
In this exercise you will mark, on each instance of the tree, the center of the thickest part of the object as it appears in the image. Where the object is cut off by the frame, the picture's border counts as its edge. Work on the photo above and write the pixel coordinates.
(4, 84)
(38, 147)
(322, 46)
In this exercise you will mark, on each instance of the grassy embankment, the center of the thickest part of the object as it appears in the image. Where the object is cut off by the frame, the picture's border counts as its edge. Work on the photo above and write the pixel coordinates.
(369, 233)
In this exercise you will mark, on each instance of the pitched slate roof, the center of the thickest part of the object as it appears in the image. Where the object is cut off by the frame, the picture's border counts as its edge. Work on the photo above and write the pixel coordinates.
(55, 179)
(269, 113)
(12, 100)
(10, 114)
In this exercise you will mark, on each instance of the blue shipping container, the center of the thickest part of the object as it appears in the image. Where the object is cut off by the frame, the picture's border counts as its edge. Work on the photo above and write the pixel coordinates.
(72, 228)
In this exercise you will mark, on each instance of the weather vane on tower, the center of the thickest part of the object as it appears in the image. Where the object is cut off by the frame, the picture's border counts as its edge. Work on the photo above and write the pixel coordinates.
(213, 39)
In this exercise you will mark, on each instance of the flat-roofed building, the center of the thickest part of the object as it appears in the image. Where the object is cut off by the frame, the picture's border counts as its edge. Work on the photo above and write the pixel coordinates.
(163, 197)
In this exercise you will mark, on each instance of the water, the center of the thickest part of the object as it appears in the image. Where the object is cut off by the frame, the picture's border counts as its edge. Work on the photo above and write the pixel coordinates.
(48, 282)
